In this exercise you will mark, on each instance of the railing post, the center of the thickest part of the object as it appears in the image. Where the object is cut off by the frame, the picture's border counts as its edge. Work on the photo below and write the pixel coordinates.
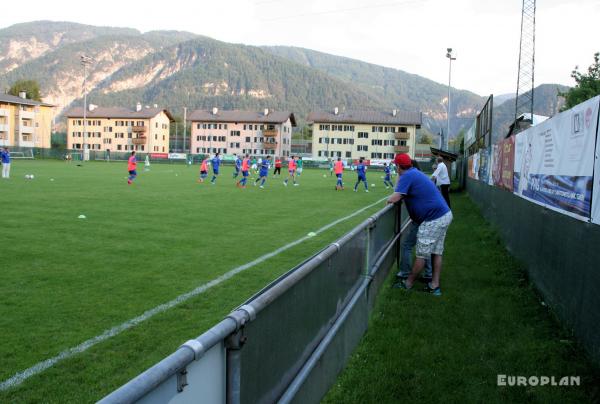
(398, 229)
(234, 344)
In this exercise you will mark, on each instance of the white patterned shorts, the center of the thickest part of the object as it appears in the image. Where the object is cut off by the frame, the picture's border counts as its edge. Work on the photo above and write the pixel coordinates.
(431, 236)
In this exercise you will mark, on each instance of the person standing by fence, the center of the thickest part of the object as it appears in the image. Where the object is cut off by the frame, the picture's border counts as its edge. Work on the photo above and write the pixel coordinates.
(426, 205)
(5, 163)
(442, 180)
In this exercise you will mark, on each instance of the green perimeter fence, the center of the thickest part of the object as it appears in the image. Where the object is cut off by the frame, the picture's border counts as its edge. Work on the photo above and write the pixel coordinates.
(562, 257)
(289, 342)
(101, 155)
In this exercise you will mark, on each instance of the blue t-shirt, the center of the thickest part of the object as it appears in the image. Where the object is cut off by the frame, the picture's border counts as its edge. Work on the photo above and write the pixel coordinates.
(264, 168)
(5, 157)
(360, 169)
(387, 171)
(423, 200)
(238, 163)
(215, 163)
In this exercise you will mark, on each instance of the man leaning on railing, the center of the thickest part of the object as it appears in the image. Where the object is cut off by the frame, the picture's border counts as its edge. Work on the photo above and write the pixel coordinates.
(426, 206)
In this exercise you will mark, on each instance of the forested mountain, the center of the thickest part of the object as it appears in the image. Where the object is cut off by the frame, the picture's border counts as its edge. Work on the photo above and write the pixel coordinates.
(176, 69)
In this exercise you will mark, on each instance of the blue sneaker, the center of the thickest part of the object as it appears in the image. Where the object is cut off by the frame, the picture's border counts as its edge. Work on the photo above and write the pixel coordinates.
(401, 285)
(434, 291)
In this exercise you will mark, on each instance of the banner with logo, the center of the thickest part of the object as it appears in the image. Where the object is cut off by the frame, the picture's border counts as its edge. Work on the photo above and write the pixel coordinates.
(506, 164)
(484, 165)
(177, 156)
(496, 177)
(596, 185)
(554, 161)
(492, 163)
(473, 165)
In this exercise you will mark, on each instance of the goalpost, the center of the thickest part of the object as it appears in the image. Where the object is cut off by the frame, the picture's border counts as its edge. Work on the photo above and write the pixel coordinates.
(27, 155)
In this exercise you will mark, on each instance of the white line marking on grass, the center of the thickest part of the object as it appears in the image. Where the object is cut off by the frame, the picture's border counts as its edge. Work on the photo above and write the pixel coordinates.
(39, 367)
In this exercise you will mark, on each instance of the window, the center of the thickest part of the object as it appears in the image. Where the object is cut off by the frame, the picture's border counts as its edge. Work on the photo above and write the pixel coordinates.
(362, 148)
(224, 126)
(247, 139)
(363, 135)
(348, 128)
(403, 129)
(324, 127)
(235, 133)
(118, 147)
(348, 154)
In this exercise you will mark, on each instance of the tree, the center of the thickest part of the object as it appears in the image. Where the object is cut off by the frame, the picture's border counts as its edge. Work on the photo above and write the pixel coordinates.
(425, 139)
(588, 85)
(31, 88)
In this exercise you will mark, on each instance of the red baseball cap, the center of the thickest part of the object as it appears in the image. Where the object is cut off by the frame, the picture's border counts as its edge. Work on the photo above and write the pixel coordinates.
(403, 160)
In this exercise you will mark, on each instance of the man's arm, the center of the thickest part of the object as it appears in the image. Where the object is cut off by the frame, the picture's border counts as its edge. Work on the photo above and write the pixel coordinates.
(395, 197)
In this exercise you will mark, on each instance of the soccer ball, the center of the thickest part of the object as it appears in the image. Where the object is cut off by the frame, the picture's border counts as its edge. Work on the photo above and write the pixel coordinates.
(28, 176)
(324, 175)
(31, 176)
(373, 185)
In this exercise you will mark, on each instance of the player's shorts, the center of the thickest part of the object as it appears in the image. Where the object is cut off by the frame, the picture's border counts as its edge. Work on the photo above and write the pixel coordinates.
(216, 171)
(203, 172)
(245, 173)
(292, 172)
(431, 236)
(299, 170)
(387, 178)
(237, 170)
(362, 178)
(263, 173)
(339, 175)
(254, 166)
(132, 172)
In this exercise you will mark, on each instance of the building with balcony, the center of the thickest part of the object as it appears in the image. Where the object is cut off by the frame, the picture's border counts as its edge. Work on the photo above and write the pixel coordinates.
(374, 135)
(242, 132)
(143, 129)
(24, 122)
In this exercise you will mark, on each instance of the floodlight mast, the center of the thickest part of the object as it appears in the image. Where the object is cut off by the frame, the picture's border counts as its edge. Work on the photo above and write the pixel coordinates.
(85, 61)
(445, 139)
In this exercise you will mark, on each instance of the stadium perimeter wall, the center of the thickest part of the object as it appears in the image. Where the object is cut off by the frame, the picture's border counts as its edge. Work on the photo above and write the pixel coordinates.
(561, 254)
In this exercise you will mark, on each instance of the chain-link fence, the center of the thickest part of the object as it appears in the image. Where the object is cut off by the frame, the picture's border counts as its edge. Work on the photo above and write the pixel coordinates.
(288, 342)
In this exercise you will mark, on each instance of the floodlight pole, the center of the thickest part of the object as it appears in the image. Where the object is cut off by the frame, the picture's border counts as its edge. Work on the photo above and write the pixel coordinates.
(184, 126)
(450, 59)
(85, 60)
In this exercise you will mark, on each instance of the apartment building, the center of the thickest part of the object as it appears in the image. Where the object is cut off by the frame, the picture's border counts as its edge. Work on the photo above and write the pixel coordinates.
(374, 135)
(242, 132)
(144, 129)
(25, 123)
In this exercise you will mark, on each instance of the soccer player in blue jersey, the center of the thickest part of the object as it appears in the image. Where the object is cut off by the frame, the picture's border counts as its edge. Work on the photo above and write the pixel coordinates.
(264, 171)
(216, 162)
(387, 181)
(238, 166)
(361, 170)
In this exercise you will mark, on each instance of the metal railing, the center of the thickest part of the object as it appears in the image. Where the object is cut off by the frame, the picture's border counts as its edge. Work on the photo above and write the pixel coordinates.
(288, 342)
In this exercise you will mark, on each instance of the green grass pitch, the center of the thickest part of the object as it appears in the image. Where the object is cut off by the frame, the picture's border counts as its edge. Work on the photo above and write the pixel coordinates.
(65, 280)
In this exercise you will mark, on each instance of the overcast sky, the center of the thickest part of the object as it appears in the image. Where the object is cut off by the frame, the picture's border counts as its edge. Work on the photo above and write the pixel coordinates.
(410, 35)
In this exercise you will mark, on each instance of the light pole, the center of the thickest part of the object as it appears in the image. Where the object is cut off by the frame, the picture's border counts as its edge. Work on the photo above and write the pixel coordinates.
(85, 61)
(450, 59)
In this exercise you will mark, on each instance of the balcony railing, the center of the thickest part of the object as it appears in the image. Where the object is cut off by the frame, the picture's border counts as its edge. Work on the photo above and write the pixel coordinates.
(270, 132)
(26, 114)
(139, 128)
(3, 112)
(402, 135)
(26, 129)
(401, 149)
(139, 140)
(3, 127)
(269, 146)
